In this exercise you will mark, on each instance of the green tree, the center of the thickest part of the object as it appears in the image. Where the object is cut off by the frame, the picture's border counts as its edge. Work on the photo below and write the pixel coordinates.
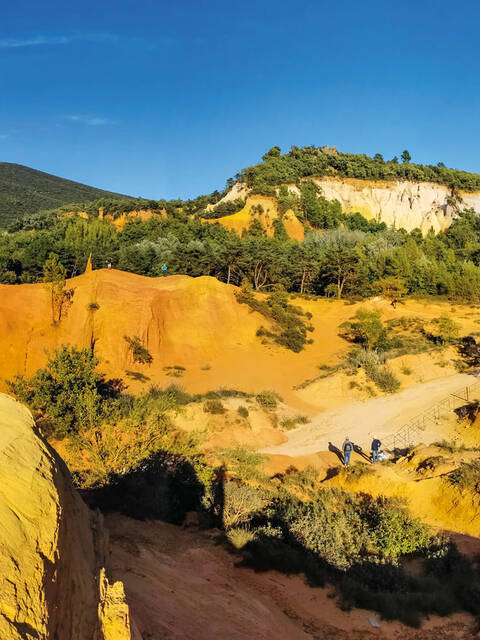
(406, 157)
(340, 268)
(391, 287)
(54, 276)
(366, 328)
(444, 329)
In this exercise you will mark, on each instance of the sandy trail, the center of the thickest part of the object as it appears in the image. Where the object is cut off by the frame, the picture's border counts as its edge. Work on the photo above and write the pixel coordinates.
(379, 417)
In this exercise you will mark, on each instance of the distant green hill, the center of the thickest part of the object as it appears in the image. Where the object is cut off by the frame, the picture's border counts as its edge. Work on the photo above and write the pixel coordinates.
(24, 190)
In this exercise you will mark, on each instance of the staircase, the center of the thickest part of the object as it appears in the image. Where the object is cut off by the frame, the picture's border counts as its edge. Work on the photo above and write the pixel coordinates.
(411, 432)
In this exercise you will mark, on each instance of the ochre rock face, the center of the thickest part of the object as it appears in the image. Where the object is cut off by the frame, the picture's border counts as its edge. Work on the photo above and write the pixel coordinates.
(179, 319)
(402, 204)
(265, 210)
(53, 583)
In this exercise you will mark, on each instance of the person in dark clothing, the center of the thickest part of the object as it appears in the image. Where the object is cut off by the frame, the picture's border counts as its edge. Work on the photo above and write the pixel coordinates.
(376, 444)
(347, 448)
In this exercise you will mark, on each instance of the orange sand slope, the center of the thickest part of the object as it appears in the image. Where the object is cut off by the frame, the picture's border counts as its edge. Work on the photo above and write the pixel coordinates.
(195, 323)
(242, 219)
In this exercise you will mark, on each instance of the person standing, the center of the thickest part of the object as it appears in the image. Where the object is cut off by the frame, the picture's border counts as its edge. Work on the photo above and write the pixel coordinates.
(376, 444)
(164, 269)
(347, 451)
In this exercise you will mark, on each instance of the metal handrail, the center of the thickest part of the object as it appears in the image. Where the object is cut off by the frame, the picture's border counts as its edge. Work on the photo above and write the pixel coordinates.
(411, 430)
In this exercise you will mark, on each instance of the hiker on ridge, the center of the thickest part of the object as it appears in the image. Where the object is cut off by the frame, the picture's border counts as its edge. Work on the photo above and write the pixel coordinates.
(376, 444)
(347, 451)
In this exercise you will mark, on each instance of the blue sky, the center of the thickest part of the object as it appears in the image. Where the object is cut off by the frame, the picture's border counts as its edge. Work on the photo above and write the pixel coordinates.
(169, 99)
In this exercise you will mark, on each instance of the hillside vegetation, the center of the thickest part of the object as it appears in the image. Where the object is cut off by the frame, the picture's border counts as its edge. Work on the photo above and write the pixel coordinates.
(361, 258)
(133, 451)
(24, 190)
(276, 169)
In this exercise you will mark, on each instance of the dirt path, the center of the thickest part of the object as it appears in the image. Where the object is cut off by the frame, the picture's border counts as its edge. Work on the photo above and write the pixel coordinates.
(185, 585)
(378, 417)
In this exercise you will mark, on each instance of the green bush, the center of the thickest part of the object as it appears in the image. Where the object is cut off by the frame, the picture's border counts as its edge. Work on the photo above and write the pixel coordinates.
(366, 329)
(214, 406)
(268, 400)
(293, 422)
(466, 477)
(239, 537)
(443, 329)
(243, 462)
(393, 530)
(383, 377)
(240, 503)
(69, 391)
(139, 353)
(243, 411)
(291, 328)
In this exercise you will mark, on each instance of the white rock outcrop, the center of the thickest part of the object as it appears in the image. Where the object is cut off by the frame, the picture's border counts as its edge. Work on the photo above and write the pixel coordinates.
(400, 204)
(410, 205)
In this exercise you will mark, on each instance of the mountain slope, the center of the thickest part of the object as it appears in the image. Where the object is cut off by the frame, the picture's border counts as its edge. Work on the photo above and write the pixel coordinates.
(24, 190)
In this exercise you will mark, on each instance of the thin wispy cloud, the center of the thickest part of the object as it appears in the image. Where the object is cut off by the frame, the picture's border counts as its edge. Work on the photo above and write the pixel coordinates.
(3, 136)
(92, 121)
(41, 40)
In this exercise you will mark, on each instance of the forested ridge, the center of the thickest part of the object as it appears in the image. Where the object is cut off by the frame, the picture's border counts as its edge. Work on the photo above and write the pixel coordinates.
(277, 168)
(345, 256)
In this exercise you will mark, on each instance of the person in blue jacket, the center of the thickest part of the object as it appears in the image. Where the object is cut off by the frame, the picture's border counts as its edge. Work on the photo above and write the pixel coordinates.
(347, 451)
(376, 444)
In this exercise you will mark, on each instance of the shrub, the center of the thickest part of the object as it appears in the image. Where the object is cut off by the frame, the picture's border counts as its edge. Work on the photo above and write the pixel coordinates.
(466, 477)
(139, 353)
(243, 462)
(291, 329)
(383, 377)
(337, 537)
(357, 471)
(239, 537)
(430, 464)
(240, 502)
(69, 391)
(443, 329)
(292, 423)
(214, 406)
(243, 411)
(175, 371)
(268, 400)
(365, 358)
(392, 529)
(366, 329)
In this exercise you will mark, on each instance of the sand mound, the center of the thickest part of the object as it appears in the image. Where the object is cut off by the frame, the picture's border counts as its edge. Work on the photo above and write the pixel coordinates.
(53, 582)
